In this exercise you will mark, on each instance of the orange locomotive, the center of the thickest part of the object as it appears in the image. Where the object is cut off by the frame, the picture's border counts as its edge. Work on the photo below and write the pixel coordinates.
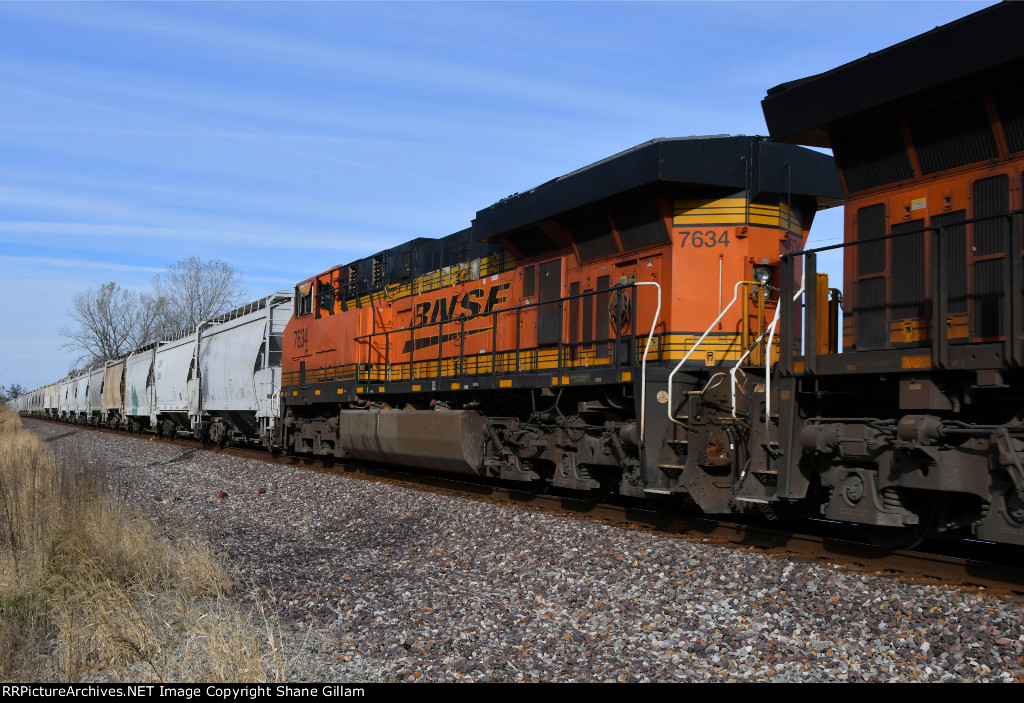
(543, 343)
(917, 429)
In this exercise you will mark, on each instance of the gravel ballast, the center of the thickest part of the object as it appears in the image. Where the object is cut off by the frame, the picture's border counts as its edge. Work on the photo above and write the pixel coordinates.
(401, 584)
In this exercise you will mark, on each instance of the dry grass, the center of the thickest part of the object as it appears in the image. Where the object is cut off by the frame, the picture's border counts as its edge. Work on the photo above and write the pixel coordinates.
(89, 592)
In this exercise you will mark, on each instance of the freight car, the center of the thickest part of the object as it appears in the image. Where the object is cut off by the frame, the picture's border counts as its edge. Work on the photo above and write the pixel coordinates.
(545, 343)
(217, 382)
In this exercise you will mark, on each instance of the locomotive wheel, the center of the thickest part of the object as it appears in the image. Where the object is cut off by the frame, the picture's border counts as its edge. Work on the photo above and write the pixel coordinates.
(595, 495)
(906, 537)
(909, 536)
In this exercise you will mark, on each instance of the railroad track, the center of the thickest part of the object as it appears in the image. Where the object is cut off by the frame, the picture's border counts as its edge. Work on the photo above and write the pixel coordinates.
(994, 570)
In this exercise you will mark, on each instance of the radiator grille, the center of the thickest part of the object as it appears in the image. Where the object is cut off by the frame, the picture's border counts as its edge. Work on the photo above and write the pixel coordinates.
(531, 242)
(873, 157)
(872, 326)
(593, 237)
(908, 271)
(954, 258)
(951, 135)
(870, 224)
(640, 224)
(1010, 105)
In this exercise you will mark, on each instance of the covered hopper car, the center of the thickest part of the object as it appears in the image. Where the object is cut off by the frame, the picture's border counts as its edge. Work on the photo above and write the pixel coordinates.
(218, 382)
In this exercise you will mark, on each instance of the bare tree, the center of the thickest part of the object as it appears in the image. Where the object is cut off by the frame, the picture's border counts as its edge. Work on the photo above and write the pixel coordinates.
(10, 393)
(152, 319)
(110, 321)
(193, 290)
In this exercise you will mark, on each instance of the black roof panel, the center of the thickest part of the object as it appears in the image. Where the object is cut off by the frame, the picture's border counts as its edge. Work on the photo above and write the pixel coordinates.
(706, 161)
(960, 53)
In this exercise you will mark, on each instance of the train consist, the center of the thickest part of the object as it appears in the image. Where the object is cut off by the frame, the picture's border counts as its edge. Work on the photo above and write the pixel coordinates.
(218, 382)
(652, 324)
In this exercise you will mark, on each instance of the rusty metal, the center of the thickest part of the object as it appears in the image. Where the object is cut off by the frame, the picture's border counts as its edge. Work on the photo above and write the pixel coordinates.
(716, 454)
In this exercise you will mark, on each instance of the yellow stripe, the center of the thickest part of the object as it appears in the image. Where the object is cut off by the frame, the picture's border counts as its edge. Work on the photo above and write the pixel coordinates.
(703, 219)
(734, 211)
(715, 349)
(712, 211)
(693, 203)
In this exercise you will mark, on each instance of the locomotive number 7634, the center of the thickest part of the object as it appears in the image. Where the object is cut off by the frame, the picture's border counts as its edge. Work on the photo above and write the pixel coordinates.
(704, 238)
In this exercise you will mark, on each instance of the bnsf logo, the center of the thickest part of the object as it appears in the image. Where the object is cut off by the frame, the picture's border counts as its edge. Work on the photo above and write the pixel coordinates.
(469, 303)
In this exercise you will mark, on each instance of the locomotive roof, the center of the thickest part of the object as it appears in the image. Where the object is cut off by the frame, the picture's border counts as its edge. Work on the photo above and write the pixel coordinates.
(705, 161)
(980, 47)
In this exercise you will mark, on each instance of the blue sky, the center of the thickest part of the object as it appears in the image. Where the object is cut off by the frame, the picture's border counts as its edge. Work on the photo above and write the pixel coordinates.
(286, 138)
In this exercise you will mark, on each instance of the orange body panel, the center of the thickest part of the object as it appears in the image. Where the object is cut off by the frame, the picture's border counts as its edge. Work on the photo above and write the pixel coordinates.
(940, 200)
(553, 310)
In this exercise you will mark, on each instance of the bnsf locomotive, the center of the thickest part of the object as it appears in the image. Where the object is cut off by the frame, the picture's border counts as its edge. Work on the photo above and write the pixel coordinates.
(568, 336)
(917, 428)
(652, 324)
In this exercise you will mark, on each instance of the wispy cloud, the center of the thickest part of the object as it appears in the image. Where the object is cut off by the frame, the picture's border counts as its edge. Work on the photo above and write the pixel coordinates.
(50, 262)
(418, 73)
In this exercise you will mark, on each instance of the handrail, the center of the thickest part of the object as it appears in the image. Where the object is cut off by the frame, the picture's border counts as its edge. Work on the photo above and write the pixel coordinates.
(735, 297)
(894, 235)
(643, 362)
(939, 241)
(770, 331)
(739, 362)
(517, 309)
(767, 364)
